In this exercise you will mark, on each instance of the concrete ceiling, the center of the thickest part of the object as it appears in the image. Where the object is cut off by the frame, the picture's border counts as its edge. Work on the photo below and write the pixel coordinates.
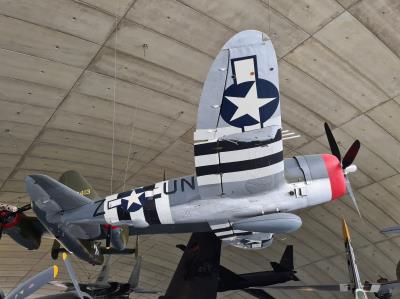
(339, 62)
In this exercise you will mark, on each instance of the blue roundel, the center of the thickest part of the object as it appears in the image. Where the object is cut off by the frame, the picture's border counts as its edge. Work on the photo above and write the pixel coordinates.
(265, 89)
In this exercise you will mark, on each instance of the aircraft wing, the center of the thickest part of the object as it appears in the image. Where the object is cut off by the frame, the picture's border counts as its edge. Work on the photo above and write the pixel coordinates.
(238, 139)
(258, 293)
(343, 287)
(196, 276)
(50, 195)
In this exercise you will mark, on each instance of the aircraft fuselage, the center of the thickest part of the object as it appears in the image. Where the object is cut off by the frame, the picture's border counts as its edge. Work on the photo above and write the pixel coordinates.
(308, 181)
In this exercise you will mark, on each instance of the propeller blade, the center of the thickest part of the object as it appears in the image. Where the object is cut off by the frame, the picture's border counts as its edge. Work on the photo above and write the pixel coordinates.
(351, 154)
(72, 274)
(137, 246)
(134, 278)
(31, 285)
(332, 142)
(351, 194)
(102, 279)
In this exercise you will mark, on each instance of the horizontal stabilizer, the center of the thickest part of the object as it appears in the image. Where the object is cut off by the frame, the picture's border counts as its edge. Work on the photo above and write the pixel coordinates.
(50, 195)
(286, 263)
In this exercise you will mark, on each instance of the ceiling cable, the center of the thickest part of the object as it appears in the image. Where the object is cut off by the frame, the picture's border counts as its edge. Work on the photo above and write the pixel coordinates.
(128, 158)
(114, 98)
(269, 20)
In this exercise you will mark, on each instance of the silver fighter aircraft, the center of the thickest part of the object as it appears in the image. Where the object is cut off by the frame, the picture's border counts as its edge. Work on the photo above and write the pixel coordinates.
(243, 189)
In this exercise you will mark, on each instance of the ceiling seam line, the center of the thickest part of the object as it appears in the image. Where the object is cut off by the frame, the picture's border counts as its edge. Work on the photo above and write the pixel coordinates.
(347, 122)
(28, 150)
(51, 28)
(352, 67)
(375, 35)
(135, 84)
(323, 84)
(170, 38)
(334, 53)
(155, 157)
(124, 52)
(46, 58)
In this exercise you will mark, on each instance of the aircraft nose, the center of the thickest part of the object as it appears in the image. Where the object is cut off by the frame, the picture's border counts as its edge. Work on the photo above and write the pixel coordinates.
(336, 175)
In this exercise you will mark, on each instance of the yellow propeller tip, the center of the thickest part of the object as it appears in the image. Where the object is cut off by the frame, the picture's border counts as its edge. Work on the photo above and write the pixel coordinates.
(346, 232)
(64, 256)
(55, 272)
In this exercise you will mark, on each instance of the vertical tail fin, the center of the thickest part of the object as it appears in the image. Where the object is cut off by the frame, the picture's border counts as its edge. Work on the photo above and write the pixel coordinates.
(77, 182)
(286, 262)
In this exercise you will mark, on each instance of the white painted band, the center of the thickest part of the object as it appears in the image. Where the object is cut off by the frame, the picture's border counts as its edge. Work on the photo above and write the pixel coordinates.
(239, 155)
(164, 208)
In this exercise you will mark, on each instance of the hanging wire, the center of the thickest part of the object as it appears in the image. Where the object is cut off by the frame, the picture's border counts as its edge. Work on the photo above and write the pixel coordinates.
(114, 96)
(128, 158)
(269, 20)
(130, 149)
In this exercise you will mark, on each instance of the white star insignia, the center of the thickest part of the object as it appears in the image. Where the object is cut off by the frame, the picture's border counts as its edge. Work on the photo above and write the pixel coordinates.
(249, 105)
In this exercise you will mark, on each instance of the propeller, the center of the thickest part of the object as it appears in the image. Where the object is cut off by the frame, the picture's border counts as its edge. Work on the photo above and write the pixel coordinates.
(72, 275)
(134, 278)
(133, 281)
(102, 278)
(31, 285)
(347, 162)
(8, 212)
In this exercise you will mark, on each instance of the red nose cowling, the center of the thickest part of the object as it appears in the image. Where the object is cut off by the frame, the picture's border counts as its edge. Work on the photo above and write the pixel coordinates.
(336, 175)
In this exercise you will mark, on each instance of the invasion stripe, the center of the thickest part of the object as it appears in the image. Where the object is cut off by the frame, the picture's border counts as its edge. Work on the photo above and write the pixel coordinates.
(238, 155)
(240, 166)
(226, 146)
(240, 176)
(150, 212)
